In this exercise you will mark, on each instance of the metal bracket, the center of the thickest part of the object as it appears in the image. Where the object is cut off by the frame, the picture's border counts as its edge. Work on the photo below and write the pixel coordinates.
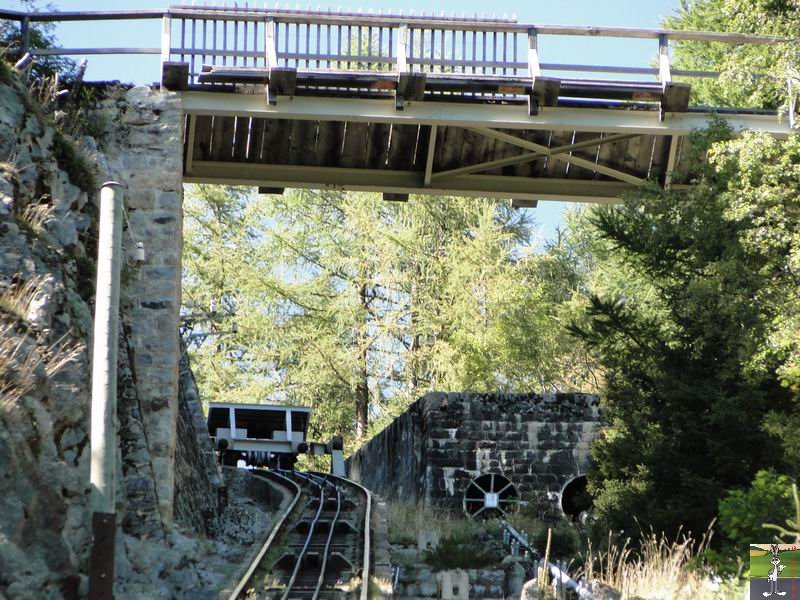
(282, 81)
(544, 92)
(410, 86)
(101, 562)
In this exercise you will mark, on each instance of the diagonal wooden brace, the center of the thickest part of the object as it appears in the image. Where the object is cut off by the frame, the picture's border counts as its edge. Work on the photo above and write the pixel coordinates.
(544, 92)
(282, 81)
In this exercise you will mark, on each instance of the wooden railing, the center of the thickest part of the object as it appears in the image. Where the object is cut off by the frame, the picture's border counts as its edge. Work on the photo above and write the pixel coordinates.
(325, 40)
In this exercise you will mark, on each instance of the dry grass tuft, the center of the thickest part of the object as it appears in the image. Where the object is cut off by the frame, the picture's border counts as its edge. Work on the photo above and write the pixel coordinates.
(406, 521)
(16, 299)
(23, 362)
(659, 569)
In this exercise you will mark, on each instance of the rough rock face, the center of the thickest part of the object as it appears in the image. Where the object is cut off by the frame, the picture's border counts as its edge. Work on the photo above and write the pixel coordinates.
(48, 207)
(46, 225)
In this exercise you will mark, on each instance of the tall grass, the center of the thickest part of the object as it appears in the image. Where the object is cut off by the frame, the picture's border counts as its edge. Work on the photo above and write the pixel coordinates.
(659, 568)
(407, 520)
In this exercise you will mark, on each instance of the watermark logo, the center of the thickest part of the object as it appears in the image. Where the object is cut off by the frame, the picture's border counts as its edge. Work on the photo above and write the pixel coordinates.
(773, 570)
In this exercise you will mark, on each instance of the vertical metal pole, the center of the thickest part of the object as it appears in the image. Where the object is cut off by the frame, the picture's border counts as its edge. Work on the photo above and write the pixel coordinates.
(25, 35)
(289, 426)
(103, 439)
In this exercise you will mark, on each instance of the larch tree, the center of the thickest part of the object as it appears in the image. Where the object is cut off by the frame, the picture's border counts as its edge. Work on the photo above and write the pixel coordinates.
(356, 306)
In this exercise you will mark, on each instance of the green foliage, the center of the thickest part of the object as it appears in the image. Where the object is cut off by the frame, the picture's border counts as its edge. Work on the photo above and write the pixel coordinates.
(751, 75)
(357, 306)
(743, 512)
(42, 36)
(696, 343)
(459, 550)
(791, 531)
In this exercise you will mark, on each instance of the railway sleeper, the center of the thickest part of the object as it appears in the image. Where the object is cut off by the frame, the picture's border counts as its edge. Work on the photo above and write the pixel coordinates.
(336, 562)
(330, 504)
(324, 526)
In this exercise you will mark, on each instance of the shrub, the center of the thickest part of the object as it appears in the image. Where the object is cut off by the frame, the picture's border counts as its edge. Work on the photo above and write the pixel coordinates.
(742, 513)
(458, 550)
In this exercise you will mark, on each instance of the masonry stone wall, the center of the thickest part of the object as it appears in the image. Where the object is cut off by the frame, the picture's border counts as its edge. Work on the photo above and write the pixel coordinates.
(445, 440)
(139, 144)
(393, 460)
(197, 476)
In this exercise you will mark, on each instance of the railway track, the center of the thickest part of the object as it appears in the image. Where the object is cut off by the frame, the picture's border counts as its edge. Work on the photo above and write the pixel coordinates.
(319, 548)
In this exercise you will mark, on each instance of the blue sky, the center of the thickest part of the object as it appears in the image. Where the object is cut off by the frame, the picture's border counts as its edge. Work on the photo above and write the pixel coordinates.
(622, 13)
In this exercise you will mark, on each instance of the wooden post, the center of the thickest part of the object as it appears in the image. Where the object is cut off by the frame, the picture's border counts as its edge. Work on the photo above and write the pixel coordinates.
(664, 73)
(103, 440)
(402, 49)
(166, 38)
(534, 70)
(270, 52)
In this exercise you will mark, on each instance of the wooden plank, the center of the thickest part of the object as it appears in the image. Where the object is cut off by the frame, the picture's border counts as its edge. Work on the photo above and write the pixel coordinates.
(256, 140)
(534, 168)
(426, 146)
(377, 145)
(402, 144)
(355, 145)
(644, 161)
(202, 138)
(191, 133)
(451, 150)
(275, 143)
(469, 148)
(661, 151)
(590, 154)
(329, 143)
(613, 155)
(302, 143)
(222, 138)
(442, 135)
(555, 166)
(241, 138)
(684, 166)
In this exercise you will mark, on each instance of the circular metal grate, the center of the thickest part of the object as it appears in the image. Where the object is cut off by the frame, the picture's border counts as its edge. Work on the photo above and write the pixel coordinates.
(491, 494)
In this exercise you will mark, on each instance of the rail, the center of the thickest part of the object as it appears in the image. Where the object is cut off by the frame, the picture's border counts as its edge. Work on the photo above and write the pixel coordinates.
(248, 574)
(299, 562)
(301, 579)
(365, 569)
(347, 41)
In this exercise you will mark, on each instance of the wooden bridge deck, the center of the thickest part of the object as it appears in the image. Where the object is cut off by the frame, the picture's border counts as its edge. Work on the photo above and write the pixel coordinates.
(403, 104)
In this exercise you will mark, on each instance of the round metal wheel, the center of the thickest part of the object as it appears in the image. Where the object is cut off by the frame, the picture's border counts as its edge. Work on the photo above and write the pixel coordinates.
(489, 495)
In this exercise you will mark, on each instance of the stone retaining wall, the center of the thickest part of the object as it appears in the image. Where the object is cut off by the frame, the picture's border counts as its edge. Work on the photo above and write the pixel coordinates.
(139, 144)
(433, 451)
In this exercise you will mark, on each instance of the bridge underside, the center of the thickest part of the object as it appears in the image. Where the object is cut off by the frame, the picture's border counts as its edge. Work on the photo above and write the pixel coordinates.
(578, 149)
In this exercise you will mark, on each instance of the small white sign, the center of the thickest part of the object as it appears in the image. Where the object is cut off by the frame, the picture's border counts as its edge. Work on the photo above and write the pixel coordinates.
(492, 500)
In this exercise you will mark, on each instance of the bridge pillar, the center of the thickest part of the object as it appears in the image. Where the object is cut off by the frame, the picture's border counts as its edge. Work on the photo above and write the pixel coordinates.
(144, 153)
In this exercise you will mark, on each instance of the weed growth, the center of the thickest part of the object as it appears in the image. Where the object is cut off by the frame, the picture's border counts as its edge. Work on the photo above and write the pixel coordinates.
(74, 162)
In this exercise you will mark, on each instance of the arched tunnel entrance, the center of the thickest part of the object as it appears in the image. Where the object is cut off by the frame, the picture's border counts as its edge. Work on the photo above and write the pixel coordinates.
(575, 498)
